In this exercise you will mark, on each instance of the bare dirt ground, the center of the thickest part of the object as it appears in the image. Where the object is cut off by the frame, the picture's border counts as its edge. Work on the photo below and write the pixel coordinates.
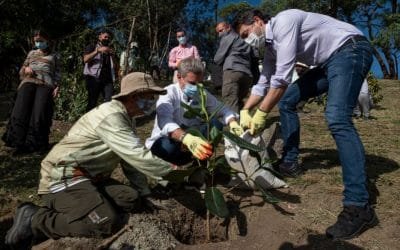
(307, 207)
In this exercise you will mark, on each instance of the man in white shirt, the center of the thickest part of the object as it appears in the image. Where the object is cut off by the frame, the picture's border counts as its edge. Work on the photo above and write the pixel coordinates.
(343, 57)
(169, 139)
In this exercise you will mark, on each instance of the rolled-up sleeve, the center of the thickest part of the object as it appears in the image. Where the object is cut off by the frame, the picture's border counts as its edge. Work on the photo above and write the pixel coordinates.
(165, 115)
(263, 84)
(286, 48)
(115, 131)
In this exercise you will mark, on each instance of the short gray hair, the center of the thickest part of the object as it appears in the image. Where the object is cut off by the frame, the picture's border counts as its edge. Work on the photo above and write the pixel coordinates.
(190, 64)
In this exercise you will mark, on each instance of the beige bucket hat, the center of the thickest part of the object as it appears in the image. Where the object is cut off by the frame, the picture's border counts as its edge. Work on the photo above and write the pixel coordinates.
(138, 81)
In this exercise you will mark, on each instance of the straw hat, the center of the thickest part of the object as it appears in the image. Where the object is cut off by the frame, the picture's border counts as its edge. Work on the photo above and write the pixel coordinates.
(138, 81)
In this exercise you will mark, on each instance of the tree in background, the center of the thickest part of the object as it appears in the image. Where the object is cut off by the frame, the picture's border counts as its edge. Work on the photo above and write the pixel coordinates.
(72, 25)
(229, 12)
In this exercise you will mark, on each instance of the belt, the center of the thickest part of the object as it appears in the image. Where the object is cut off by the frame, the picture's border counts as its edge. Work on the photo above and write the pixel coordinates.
(351, 40)
(354, 40)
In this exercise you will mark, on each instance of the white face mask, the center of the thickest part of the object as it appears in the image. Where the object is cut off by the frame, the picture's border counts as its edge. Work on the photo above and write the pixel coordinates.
(252, 39)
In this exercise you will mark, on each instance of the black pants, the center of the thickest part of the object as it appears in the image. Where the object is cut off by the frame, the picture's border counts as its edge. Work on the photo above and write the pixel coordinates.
(95, 87)
(31, 118)
(85, 210)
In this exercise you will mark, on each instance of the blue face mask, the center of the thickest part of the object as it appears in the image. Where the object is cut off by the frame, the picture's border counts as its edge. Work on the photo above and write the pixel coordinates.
(145, 105)
(190, 90)
(41, 45)
(182, 40)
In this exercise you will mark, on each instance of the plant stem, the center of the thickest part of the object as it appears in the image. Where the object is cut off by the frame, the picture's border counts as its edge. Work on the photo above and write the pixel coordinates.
(208, 236)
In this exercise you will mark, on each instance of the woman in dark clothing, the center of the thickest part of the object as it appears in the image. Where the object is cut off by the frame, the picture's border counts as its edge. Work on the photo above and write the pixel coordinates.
(31, 118)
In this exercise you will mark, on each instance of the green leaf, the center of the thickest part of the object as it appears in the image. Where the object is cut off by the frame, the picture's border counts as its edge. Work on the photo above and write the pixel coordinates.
(178, 176)
(267, 197)
(203, 100)
(241, 142)
(215, 202)
(190, 111)
(219, 107)
(216, 136)
(223, 166)
(272, 171)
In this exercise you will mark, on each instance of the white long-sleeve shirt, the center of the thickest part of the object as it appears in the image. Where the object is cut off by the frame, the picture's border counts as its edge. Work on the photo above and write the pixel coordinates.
(295, 35)
(170, 113)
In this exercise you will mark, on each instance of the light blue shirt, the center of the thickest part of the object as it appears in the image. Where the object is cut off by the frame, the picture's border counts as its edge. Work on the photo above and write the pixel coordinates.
(295, 35)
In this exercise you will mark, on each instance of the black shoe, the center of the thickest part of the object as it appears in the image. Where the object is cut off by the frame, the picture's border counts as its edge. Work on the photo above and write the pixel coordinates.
(289, 169)
(20, 234)
(352, 221)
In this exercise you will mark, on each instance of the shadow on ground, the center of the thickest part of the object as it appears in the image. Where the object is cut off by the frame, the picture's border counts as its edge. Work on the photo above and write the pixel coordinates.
(319, 241)
(328, 158)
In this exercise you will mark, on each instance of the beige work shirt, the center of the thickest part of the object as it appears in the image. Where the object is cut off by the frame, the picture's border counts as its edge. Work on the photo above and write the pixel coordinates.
(96, 143)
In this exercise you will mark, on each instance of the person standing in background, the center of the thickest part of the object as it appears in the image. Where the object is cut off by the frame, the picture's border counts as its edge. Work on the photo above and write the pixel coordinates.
(154, 61)
(100, 69)
(236, 56)
(132, 58)
(31, 118)
(182, 51)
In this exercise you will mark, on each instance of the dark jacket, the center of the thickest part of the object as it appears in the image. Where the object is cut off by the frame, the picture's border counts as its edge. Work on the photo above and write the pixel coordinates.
(235, 54)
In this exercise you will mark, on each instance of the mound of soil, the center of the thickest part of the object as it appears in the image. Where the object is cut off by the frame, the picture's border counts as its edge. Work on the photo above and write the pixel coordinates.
(183, 223)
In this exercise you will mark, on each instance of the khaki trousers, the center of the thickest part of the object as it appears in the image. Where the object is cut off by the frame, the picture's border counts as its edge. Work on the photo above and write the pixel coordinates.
(235, 88)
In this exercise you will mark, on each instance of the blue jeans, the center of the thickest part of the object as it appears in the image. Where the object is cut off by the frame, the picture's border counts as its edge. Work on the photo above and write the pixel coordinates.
(341, 76)
(172, 151)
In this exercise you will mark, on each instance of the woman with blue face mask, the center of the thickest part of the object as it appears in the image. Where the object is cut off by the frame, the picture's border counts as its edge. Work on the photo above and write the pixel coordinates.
(29, 125)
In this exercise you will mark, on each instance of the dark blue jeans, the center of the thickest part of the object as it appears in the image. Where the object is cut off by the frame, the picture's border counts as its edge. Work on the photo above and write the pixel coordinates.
(341, 76)
(173, 151)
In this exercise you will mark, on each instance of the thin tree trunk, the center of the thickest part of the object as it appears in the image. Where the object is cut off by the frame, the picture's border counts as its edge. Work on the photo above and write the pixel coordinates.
(381, 63)
(165, 50)
(128, 47)
(333, 8)
(149, 19)
(394, 6)
(391, 64)
(396, 66)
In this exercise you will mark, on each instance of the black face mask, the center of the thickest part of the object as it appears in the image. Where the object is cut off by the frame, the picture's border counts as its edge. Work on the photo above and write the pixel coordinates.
(105, 42)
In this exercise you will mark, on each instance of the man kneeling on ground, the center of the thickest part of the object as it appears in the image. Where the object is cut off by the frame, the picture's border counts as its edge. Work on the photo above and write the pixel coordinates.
(169, 139)
(80, 197)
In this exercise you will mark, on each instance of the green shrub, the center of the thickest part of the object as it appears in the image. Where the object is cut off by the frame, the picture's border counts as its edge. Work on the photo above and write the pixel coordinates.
(374, 88)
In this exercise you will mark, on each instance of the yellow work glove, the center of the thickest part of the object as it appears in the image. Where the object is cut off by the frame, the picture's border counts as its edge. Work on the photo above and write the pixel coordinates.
(258, 121)
(245, 118)
(199, 147)
(235, 128)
